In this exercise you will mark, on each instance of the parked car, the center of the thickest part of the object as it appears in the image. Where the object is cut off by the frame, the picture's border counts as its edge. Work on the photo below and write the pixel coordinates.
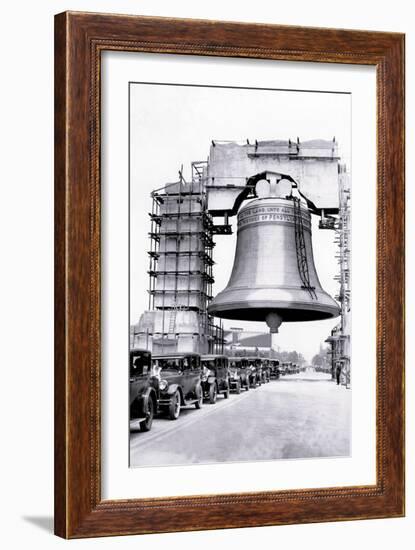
(294, 368)
(289, 368)
(180, 382)
(215, 377)
(275, 369)
(266, 370)
(144, 390)
(256, 371)
(239, 365)
(235, 382)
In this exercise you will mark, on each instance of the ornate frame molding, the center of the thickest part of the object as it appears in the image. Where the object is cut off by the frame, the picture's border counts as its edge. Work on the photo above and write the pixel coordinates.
(79, 40)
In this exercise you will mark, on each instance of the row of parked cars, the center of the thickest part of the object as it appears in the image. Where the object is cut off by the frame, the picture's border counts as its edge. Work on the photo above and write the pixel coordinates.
(291, 368)
(165, 383)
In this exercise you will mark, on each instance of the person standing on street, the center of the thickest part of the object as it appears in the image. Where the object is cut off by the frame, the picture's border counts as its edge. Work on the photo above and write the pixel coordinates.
(338, 373)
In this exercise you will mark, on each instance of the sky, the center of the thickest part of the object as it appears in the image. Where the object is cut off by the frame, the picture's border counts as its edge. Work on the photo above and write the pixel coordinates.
(171, 126)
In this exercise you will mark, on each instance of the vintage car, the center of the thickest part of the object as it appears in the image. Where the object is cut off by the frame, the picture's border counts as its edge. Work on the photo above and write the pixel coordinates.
(179, 382)
(215, 377)
(239, 370)
(256, 371)
(266, 370)
(235, 383)
(144, 389)
(275, 368)
(288, 368)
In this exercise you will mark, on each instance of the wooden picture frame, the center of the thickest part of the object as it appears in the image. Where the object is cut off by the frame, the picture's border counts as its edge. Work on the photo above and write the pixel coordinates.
(79, 40)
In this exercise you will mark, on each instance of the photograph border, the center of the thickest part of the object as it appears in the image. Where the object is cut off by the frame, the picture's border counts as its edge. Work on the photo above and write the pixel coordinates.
(79, 40)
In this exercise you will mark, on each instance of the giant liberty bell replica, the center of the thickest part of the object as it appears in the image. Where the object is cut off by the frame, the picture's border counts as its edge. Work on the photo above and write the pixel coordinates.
(273, 277)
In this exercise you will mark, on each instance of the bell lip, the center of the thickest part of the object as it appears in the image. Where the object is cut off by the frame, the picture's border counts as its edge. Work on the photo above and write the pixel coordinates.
(324, 312)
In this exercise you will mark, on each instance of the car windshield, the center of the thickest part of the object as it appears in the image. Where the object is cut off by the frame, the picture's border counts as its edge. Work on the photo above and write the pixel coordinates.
(168, 363)
(208, 363)
(140, 364)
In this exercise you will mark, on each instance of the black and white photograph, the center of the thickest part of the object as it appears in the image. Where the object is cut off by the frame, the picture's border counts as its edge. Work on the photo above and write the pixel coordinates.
(206, 232)
(240, 294)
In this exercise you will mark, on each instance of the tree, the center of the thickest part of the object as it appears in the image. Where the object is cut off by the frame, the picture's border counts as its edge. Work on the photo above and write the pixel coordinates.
(293, 357)
(317, 360)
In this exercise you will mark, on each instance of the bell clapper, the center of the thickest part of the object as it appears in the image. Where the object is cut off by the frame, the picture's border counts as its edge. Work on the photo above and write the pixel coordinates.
(273, 320)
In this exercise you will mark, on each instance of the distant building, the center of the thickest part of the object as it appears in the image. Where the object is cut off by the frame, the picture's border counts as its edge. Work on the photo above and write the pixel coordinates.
(248, 343)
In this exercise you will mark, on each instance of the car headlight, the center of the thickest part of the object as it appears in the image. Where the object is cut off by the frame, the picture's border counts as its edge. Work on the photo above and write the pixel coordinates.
(163, 385)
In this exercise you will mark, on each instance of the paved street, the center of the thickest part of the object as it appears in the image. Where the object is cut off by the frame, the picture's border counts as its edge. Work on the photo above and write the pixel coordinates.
(299, 416)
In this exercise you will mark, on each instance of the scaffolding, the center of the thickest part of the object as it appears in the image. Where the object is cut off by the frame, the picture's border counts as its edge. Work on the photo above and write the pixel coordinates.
(340, 336)
(181, 267)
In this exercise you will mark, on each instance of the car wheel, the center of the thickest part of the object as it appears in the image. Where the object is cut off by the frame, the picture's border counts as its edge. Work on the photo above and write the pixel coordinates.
(199, 397)
(238, 387)
(146, 424)
(174, 406)
(213, 393)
